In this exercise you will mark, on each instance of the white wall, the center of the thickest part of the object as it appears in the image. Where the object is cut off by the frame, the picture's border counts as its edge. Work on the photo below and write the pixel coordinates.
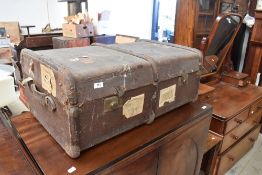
(129, 17)
(33, 12)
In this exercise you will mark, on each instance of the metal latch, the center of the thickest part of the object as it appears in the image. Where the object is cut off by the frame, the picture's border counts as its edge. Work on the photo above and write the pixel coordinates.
(111, 103)
(183, 78)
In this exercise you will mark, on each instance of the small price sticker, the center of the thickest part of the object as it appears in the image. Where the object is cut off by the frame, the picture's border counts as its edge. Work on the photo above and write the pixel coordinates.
(98, 85)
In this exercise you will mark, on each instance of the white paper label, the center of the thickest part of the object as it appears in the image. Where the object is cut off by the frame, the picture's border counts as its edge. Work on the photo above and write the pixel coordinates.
(259, 5)
(167, 95)
(134, 106)
(71, 170)
(48, 80)
(98, 85)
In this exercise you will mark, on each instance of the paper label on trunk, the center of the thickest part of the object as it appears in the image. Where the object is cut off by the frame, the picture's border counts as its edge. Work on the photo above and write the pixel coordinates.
(167, 95)
(48, 80)
(134, 106)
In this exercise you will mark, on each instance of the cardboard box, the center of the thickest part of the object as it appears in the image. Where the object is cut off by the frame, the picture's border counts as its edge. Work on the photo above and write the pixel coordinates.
(78, 30)
(5, 52)
(13, 30)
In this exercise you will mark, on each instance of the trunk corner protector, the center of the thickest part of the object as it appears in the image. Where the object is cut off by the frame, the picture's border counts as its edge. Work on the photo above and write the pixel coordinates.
(73, 149)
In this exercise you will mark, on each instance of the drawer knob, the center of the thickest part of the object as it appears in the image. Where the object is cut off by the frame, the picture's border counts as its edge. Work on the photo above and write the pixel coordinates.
(255, 122)
(251, 140)
(238, 121)
(234, 137)
(259, 106)
(231, 158)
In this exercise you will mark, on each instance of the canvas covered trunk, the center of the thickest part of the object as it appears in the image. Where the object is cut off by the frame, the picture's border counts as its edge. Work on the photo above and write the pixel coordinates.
(84, 96)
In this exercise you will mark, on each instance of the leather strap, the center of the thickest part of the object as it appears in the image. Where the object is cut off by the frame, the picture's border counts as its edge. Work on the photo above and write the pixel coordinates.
(144, 57)
(173, 45)
(154, 69)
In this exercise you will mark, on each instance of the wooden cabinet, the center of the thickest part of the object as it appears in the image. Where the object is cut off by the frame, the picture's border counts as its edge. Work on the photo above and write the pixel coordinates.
(236, 116)
(205, 17)
(230, 157)
(211, 152)
(194, 20)
(172, 144)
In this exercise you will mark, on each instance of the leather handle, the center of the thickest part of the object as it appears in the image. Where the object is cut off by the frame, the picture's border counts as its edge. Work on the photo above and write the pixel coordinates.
(44, 98)
(238, 121)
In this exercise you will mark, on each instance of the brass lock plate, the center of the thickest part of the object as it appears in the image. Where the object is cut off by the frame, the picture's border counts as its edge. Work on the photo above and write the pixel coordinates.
(183, 79)
(111, 104)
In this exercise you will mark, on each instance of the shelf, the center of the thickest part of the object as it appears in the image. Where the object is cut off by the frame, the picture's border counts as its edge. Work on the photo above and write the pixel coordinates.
(206, 13)
(202, 33)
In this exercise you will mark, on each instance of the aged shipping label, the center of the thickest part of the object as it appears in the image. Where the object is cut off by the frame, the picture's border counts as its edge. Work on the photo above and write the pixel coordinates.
(134, 106)
(48, 80)
(167, 95)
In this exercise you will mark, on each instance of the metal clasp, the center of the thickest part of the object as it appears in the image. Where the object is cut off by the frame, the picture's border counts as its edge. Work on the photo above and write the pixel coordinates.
(183, 78)
(111, 103)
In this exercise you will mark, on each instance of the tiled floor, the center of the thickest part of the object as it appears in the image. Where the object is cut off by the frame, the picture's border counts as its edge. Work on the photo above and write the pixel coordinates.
(250, 164)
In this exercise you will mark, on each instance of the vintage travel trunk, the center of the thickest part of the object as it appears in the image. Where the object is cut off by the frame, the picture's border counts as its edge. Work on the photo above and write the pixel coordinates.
(84, 96)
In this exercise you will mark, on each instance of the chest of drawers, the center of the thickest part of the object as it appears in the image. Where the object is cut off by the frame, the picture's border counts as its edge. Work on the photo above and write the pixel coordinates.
(236, 115)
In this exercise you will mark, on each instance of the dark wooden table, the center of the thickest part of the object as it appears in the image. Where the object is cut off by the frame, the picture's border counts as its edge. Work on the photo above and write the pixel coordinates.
(13, 159)
(139, 151)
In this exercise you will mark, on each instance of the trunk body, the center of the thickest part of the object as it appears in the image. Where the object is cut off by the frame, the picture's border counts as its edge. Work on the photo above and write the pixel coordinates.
(91, 94)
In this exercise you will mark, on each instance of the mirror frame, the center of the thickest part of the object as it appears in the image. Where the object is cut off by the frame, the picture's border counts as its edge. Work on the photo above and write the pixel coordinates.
(207, 41)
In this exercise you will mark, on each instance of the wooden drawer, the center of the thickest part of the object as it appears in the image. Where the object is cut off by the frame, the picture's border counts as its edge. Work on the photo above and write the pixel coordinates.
(256, 107)
(229, 158)
(236, 121)
(234, 135)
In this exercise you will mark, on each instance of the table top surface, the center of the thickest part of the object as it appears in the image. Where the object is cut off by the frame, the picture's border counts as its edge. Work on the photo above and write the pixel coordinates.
(53, 160)
(12, 159)
(229, 101)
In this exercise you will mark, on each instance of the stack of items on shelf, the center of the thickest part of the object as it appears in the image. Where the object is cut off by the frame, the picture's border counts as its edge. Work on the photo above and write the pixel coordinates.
(78, 26)
(76, 32)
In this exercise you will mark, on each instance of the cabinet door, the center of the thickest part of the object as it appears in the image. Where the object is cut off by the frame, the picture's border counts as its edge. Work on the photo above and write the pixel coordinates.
(145, 165)
(182, 154)
(178, 157)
